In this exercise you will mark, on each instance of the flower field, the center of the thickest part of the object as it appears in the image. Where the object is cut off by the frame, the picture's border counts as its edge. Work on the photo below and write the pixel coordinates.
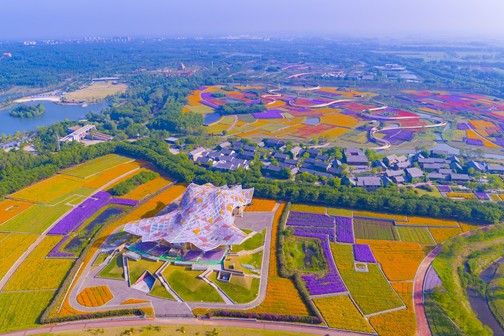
(35, 219)
(105, 177)
(442, 234)
(49, 190)
(308, 208)
(10, 208)
(340, 312)
(13, 245)
(38, 272)
(147, 189)
(281, 295)
(399, 260)
(370, 290)
(261, 204)
(463, 195)
(402, 322)
(94, 296)
(22, 309)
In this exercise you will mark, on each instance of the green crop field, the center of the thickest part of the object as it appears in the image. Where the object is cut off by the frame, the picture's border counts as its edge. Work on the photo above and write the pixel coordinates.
(50, 190)
(158, 290)
(371, 229)
(416, 235)
(240, 289)
(186, 284)
(35, 219)
(252, 243)
(137, 268)
(22, 309)
(370, 290)
(95, 166)
(114, 269)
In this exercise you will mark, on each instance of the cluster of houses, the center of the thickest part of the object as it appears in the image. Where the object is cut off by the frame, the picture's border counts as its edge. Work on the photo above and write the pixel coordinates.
(280, 160)
(86, 132)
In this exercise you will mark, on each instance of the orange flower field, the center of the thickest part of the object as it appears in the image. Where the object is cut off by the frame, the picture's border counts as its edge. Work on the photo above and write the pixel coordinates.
(94, 296)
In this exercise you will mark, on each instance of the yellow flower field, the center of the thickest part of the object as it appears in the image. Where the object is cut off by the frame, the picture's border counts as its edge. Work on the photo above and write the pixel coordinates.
(12, 247)
(117, 172)
(96, 166)
(309, 208)
(49, 190)
(340, 312)
(442, 234)
(427, 221)
(399, 260)
(146, 189)
(398, 323)
(39, 272)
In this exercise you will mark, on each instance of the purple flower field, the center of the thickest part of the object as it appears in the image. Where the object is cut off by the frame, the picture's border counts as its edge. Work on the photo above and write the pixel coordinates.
(271, 114)
(344, 230)
(482, 195)
(444, 188)
(309, 219)
(363, 253)
(56, 253)
(331, 282)
(86, 210)
(474, 142)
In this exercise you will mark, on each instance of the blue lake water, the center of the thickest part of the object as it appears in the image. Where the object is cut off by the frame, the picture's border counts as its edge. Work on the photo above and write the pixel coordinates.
(53, 114)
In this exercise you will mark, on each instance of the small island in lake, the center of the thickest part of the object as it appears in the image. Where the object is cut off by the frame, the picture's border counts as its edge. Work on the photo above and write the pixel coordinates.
(27, 112)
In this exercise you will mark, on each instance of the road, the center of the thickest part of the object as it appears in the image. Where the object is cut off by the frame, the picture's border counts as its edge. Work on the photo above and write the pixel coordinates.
(139, 322)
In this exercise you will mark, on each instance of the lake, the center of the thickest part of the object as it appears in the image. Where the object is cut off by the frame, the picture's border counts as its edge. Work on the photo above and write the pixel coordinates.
(53, 114)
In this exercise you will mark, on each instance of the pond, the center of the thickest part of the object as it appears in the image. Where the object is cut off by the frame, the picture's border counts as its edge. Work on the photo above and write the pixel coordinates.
(210, 118)
(312, 121)
(479, 302)
(54, 113)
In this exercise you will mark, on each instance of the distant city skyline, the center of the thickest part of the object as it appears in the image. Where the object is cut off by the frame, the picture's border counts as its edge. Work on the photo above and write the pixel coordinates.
(428, 19)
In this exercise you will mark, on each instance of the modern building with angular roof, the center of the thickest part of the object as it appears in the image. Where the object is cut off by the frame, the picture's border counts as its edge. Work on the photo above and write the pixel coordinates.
(204, 218)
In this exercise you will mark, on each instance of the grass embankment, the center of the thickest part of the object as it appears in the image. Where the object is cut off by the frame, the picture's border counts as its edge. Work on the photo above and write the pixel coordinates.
(448, 308)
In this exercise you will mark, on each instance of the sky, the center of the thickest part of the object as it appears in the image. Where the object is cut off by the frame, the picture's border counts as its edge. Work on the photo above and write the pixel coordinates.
(429, 19)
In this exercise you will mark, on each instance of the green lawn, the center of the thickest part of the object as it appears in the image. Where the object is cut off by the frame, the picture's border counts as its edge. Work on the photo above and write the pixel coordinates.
(95, 166)
(158, 290)
(252, 243)
(254, 260)
(374, 229)
(100, 258)
(304, 255)
(370, 290)
(137, 268)
(35, 219)
(22, 309)
(114, 269)
(190, 288)
(415, 234)
(240, 289)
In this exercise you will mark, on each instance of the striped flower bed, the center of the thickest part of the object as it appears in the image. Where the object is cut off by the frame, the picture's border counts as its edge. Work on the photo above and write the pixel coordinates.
(344, 230)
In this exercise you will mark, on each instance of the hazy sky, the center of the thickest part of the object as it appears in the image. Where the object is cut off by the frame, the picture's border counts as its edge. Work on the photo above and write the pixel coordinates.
(21, 19)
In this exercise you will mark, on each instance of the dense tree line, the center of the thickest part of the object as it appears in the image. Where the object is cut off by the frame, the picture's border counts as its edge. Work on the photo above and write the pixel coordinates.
(383, 199)
(131, 183)
(19, 169)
